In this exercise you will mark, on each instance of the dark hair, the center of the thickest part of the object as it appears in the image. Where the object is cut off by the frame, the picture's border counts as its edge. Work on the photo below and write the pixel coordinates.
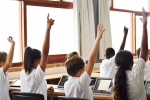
(3, 56)
(110, 52)
(138, 52)
(74, 63)
(123, 61)
(30, 56)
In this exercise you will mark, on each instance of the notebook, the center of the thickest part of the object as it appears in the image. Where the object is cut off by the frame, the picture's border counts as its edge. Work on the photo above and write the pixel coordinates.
(103, 86)
(16, 83)
(64, 78)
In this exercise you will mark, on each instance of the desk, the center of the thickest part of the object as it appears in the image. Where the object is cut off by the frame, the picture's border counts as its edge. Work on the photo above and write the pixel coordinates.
(58, 75)
(60, 92)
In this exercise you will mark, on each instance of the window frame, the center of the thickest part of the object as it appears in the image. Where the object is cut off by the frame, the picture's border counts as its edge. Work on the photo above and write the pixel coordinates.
(60, 58)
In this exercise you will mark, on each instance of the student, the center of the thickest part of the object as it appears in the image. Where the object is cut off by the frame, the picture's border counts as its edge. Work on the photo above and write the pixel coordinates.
(129, 80)
(108, 67)
(147, 66)
(5, 64)
(32, 76)
(79, 80)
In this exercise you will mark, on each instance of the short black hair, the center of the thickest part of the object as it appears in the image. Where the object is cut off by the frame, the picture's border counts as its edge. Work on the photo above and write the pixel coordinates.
(110, 52)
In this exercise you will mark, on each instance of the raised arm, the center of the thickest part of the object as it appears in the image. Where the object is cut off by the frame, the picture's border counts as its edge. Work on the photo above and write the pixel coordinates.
(45, 49)
(93, 53)
(144, 43)
(124, 38)
(10, 55)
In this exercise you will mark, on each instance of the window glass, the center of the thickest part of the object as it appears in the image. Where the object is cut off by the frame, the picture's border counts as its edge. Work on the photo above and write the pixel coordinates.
(118, 20)
(9, 26)
(62, 36)
(135, 5)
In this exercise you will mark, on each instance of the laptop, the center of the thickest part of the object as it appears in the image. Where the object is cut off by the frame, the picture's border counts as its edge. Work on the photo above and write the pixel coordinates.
(62, 81)
(147, 87)
(64, 78)
(16, 83)
(103, 86)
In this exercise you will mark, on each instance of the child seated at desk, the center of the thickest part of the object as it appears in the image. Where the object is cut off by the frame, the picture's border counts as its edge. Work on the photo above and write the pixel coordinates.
(108, 66)
(5, 64)
(129, 80)
(79, 80)
(32, 76)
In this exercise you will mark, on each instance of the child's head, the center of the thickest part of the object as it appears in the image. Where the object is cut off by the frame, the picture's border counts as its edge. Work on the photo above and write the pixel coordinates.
(110, 52)
(3, 56)
(138, 53)
(31, 59)
(124, 61)
(74, 64)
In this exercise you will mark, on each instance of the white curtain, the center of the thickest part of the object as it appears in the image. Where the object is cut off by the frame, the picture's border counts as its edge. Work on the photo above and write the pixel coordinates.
(104, 18)
(84, 26)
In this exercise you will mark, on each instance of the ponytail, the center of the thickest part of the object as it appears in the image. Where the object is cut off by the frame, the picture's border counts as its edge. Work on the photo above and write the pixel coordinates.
(120, 88)
(123, 60)
(28, 61)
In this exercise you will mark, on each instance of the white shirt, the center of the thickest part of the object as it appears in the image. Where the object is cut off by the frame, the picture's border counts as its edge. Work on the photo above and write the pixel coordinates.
(79, 87)
(135, 82)
(108, 68)
(34, 82)
(147, 71)
(4, 86)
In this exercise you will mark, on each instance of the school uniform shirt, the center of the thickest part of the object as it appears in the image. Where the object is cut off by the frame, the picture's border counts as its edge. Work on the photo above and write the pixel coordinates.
(4, 85)
(147, 71)
(34, 82)
(79, 87)
(135, 81)
(108, 68)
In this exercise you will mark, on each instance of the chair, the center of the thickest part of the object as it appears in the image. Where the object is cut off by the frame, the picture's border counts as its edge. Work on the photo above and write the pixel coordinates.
(70, 98)
(26, 96)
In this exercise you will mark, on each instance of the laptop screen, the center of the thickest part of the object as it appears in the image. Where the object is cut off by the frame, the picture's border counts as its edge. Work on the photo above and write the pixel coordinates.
(62, 81)
(103, 85)
(147, 87)
(16, 83)
(64, 78)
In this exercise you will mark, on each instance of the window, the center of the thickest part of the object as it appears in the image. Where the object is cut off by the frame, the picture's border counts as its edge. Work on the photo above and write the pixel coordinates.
(62, 37)
(135, 5)
(9, 26)
(139, 32)
(117, 21)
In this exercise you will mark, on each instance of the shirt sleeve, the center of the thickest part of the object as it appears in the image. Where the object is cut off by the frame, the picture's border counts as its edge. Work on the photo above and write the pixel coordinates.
(85, 79)
(2, 75)
(139, 67)
(39, 74)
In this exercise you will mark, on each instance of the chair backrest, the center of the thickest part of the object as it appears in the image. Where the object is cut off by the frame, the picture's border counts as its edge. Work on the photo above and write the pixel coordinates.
(26, 96)
(70, 98)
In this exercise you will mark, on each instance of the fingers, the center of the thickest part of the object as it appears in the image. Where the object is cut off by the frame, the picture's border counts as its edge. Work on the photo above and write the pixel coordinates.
(50, 89)
(10, 38)
(48, 16)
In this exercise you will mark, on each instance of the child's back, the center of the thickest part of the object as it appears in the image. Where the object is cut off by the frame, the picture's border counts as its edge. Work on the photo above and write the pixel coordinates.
(34, 82)
(78, 83)
(79, 86)
(108, 66)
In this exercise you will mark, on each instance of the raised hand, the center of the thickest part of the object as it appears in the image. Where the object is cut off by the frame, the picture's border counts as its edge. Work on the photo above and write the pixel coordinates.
(10, 39)
(100, 30)
(144, 15)
(125, 30)
(50, 22)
